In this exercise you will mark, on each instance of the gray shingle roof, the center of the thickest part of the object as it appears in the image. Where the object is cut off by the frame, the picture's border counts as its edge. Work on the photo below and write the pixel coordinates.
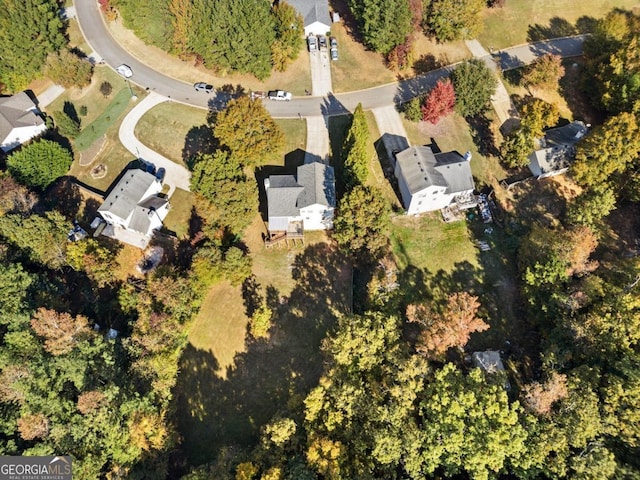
(312, 11)
(557, 148)
(127, 193)
(567, 135)
(15, 112)
(421, 169)
(319, 185)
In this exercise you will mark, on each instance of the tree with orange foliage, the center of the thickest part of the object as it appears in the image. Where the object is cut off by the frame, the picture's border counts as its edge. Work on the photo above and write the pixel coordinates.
(33, 426)
(440, 102)
(61, 331)
(540, 397)
(450, 328)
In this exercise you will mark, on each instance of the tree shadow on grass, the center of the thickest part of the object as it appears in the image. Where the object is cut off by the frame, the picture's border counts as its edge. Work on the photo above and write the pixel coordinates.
(215, 412)
(199, 139)
(483, 136)
(558, 27)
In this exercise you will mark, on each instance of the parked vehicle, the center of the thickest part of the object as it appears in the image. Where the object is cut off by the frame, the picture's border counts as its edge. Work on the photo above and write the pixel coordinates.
(312, 42)
(334, 53)
(160, 174)
(279, 95)
(125, 71)
(255, 95)
(333, 43)
(322, 41)
(203, 87)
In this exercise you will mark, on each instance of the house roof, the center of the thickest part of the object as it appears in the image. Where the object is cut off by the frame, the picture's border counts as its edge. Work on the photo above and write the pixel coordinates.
(557, 148)
(319, 185)
(422, 169)
(282, 196)
(127, 193)
(312, 11)
(489, 361)
(16, 112)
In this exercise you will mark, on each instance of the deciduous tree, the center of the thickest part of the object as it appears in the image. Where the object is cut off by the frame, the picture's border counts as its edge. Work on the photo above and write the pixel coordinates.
(289, 27)
(537, 115)
(40, 163)
(450, 328)
(383, 24)
(544, 72)
(540, 397)
(517, 147)
(474, 84)
(68, 69)
(60, 330)
(593, 205)
(362, 223)
(454, 19)
(260, 322)
(439, 102)
(248, 130)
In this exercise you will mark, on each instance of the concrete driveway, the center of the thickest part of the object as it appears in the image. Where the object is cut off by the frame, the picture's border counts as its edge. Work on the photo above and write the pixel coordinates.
(176, 175)
(392, 131)
(318, 146)
(320, 73)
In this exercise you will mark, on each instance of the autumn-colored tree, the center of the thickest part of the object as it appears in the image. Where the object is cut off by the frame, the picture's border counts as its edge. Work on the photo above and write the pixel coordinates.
(453, 20)
(450, 328)
(540, 397)
(537, 115)
(14, 197)
(32, 427)
(148, 430)
(60, 330)
(181, 13)
(246, 127)
(68, 69)
(89, 402)
(260, 322)
(401, 56)
(544, 72)
(439, 102)
(288, 26)
(609, 149)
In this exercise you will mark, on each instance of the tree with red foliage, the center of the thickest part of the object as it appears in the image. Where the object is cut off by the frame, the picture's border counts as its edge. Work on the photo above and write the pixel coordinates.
(439, 102)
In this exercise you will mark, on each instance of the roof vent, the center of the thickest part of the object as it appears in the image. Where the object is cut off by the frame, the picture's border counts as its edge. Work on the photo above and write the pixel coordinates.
(467, 156)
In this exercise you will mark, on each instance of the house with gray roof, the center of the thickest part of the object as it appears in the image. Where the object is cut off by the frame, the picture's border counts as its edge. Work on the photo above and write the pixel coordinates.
(20, 121)
(556, 150)
(430, 182)
(134, 208)
(315, 15)
(305, 201)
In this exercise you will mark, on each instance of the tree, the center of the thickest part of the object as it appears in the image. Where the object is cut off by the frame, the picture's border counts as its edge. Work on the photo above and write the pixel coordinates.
(29, 31)
(439, 102)
(539, 397)
(413, 109)
(220, 179)
(289, 26)
(39, 164)
(66, 125)
(474, 84)
(610, 148)
(362, 223)
(260, 322)
(453, 20)
(354, 150)
(450, 328)
(237, 266)
(383, 24)
(15, 198)
(517, 147)
(106, 88)
(68, 69)
(60, 330)
(537, 115)
(544, 72)
(246, 127)
(181, 11)
(97, 261)
(151, 20)
(233, 35)
(593, 205)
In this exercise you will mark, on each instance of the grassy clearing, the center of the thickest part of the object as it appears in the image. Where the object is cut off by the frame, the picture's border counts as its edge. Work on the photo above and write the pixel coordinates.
(428, 243)
(113, 155)
(521, 20)
(178, 218)
(429, 54)
(110, 116)
(76, 39)
(165, 126)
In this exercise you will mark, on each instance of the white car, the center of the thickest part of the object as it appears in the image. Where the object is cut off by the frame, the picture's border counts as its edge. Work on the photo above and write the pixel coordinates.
(125, 71)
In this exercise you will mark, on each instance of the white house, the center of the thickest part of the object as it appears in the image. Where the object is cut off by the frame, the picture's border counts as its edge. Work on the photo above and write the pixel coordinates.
(556, 150)
(20, 121)
(430, 182)
(134, 209)
(305, 201)
(315, 15)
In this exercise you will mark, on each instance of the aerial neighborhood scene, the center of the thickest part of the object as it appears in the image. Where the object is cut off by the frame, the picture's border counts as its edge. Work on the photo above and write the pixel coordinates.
(320, 239)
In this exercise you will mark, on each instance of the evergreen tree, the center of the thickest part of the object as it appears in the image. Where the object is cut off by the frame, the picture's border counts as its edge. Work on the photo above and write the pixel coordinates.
(383, 24)
(354, 150)
(40, 163)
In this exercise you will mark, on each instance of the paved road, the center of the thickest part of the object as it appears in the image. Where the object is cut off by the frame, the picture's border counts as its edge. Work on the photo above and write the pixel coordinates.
(98, 36)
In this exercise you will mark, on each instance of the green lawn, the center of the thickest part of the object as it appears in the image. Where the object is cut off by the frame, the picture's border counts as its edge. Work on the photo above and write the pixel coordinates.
(178, 218)
(428, 243)
(520, 21)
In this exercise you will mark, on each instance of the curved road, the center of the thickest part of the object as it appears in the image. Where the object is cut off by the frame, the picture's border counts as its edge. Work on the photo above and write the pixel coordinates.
(98, 36)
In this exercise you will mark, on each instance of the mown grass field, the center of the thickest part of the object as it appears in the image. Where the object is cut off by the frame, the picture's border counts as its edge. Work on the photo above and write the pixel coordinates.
(520, 21)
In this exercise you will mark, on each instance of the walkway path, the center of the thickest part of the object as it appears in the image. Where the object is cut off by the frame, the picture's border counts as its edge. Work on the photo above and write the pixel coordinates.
(176, 175)
(506, 111)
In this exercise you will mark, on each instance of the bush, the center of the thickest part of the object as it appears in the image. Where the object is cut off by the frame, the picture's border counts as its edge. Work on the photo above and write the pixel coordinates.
(413, 109)
(106, 88)
(66, 125)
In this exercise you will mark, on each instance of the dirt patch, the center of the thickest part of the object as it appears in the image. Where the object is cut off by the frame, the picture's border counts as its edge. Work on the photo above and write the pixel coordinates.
(89, 155)
(99, 171)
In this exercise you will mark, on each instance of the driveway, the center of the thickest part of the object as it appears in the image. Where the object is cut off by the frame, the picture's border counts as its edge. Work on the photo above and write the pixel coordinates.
(176, 175)
(320, 73)
(392, 131)
(317, 148)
